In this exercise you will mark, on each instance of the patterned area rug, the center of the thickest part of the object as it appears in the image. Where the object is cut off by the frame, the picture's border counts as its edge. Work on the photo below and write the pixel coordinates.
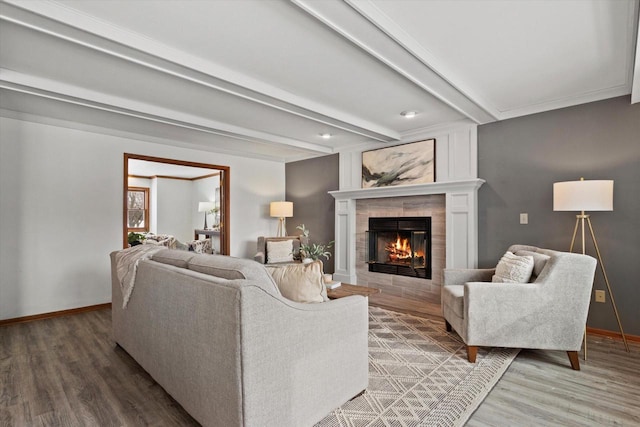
(419, 375)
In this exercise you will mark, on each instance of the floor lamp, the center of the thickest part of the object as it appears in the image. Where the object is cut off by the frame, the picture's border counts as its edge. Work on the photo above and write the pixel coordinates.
(281, 210)
(592, 195)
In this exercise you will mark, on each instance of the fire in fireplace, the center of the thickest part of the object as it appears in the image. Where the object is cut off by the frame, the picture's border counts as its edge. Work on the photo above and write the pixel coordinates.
(400, 246)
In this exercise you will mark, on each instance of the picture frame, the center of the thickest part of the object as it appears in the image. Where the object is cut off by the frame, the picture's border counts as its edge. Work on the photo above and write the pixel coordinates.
(404, 164)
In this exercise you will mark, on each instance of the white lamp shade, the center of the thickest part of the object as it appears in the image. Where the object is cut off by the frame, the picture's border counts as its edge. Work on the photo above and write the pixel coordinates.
(581, 195)
(281, 209)
(205, 206)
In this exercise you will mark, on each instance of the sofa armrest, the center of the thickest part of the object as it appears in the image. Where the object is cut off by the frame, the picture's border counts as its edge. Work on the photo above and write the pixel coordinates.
(459, 276)
(290, 349)
(259, 257)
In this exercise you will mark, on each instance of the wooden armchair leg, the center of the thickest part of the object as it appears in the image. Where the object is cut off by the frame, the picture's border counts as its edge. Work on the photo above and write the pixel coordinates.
(448, 326)
(574, 359)
(472, 352)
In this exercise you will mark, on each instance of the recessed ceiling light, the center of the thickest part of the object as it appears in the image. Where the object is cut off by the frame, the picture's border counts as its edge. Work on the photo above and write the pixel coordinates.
(408, 114)
(326, 135)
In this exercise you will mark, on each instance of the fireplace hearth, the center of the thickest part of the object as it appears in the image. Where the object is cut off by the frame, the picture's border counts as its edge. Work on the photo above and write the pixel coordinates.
(400, 245)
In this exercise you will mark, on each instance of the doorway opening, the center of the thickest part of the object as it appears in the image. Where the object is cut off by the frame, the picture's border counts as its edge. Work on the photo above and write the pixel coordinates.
(177, 189)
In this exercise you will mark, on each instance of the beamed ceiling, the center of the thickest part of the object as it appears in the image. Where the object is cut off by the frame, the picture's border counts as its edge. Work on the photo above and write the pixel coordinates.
(265, 78)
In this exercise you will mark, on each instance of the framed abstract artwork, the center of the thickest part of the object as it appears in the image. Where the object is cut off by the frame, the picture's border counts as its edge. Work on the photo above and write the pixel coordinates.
(406, 164)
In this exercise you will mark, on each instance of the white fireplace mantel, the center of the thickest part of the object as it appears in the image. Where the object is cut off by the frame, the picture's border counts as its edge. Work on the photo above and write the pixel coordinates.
(461, 221)
(409, 190)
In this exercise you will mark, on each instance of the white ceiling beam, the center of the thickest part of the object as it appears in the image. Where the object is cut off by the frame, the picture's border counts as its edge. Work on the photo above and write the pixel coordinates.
(369, 29)
(35, 118)
(50, 89)
(67, 24)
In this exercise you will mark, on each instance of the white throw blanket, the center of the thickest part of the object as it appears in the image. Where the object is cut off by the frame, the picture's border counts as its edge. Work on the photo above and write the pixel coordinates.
(127, 264)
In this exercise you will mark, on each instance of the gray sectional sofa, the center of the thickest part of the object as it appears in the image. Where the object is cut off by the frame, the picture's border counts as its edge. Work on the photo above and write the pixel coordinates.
(218, 336)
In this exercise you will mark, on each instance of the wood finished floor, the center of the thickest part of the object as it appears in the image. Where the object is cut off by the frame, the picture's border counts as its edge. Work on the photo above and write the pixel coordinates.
(67, 371)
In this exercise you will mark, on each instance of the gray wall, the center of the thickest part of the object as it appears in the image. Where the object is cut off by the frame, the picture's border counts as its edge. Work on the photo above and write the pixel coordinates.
(521, 158)
(307, 184)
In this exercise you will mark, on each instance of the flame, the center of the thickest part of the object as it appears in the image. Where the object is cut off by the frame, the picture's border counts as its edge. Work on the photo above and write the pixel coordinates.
(399, 250)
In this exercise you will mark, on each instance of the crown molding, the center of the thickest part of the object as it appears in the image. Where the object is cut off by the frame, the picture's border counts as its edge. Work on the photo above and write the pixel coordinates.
(72, 26)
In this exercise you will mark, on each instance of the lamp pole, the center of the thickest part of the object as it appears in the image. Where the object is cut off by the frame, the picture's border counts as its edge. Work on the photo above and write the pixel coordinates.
(580, 220)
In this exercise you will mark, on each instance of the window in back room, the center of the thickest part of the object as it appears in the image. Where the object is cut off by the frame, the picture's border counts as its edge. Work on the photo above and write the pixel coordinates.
(138, 209)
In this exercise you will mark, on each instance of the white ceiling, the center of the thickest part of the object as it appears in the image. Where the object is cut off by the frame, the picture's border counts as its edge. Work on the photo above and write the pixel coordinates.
(265, 78)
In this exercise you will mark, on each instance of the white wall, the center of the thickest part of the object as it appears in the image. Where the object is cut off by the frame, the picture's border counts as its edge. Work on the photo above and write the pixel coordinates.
(204, 190)
(174, 208)
(61, 211)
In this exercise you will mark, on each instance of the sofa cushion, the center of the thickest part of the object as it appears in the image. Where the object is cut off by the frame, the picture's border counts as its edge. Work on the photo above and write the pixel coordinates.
(231, 268)
(539, 262)
(300, 282)
(513, 269)
(279, 251)
(173, 257)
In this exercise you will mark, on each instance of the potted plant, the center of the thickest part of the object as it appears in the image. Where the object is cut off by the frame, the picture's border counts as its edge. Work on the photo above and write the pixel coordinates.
(311, 252)
(135, 238)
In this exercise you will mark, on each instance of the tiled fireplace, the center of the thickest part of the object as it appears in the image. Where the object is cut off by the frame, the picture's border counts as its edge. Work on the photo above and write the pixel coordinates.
(417, 288)
(452, 209)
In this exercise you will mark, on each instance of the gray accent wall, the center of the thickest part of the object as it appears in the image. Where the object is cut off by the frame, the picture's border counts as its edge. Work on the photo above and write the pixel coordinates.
(307, 186)
(521, 158)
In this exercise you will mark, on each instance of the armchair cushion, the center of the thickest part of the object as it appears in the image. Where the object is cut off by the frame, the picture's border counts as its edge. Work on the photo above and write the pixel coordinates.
(453, 299)
(539, 262)
(513, 269)
(279, 251)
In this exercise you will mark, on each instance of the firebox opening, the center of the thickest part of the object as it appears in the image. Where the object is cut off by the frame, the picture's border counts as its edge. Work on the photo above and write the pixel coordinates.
(400, 246)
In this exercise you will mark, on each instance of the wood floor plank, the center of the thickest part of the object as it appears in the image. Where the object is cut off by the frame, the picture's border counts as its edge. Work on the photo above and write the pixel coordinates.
(67, 371)
(541, 389)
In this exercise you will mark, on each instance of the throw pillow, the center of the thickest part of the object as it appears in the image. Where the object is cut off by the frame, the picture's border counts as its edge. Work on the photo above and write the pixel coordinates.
(513, 269)
(539, 261)
(300, 282)
(279, 251)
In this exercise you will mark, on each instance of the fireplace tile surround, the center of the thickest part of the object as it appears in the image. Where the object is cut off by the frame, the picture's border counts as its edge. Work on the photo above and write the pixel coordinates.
(452, 207)
(411, 206)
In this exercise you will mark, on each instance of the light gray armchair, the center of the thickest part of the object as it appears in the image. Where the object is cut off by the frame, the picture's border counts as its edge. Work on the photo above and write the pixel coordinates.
(549, 312)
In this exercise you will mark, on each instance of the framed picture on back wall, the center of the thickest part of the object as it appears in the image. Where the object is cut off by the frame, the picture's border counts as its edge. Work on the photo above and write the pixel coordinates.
(406, 164)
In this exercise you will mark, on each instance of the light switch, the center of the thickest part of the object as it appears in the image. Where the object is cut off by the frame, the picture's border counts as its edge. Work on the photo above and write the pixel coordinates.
(524, 218)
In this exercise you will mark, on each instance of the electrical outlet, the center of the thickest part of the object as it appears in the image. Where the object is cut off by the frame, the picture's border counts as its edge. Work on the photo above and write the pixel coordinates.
(524, 218)
(600, 296)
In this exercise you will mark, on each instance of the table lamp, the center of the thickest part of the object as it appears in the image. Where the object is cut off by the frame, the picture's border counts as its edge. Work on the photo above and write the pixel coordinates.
(205, 207)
